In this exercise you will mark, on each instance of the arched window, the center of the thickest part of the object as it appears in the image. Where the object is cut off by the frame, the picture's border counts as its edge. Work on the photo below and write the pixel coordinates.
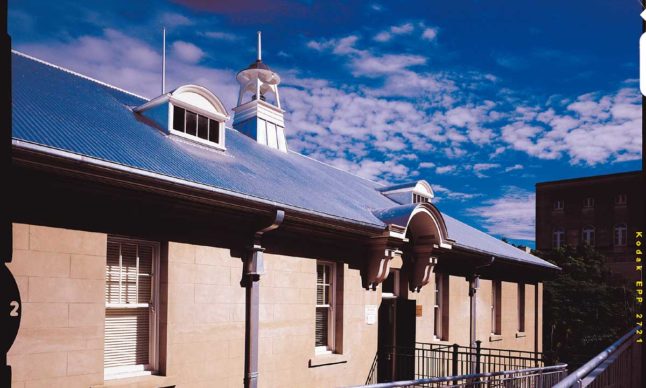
(588, 235)
(558, 238)
(621, 235)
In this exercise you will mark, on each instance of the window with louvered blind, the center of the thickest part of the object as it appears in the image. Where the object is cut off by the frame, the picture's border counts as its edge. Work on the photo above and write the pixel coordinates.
(325, 306)
(131, 306)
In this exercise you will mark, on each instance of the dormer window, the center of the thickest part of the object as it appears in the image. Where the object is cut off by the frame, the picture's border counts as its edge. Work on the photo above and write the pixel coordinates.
(417, 198)
(190, 112)
(410, 192)
(194, 124)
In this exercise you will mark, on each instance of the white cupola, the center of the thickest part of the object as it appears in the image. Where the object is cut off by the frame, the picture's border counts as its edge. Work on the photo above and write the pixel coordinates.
(258, 114)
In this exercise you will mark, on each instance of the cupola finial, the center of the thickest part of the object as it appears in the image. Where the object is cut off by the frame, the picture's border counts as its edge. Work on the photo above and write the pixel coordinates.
(258, 114)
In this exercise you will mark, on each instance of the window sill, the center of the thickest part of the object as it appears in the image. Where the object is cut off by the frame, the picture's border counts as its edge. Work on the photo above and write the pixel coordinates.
(520, 334)
(495, 337)
(149, 381)
(327, 359)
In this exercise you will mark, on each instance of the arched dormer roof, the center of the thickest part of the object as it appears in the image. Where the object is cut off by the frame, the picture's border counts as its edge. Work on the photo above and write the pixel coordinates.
(409, 192)
(417, 219)
(200, 97)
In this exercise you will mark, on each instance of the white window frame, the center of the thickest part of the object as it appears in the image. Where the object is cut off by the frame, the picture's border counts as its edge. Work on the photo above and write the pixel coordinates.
(558, 237)
(588, 235)
(621, 199)
(620, 230)
(153, 339)
(496, 305)
(187, 107)
(588, 203)
(330, 347)
(419, 198)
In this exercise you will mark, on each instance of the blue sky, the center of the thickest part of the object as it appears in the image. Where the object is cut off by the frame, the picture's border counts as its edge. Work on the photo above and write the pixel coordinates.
(481, 98)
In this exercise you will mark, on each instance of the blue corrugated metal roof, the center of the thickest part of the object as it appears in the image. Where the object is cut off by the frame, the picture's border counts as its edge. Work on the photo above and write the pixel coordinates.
(61, 110)
(404, 185)
(473, 239)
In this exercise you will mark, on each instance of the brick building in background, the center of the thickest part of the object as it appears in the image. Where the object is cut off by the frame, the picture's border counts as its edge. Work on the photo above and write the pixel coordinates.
(603, 211)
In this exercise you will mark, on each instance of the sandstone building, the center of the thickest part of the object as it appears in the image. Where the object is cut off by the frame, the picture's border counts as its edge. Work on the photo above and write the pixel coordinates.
(155, 246)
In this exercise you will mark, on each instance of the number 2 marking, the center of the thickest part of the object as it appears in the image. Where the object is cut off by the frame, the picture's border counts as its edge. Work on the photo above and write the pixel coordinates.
(14, 311)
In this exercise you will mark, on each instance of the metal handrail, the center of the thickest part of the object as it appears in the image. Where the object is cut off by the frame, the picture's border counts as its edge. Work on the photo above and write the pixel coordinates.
(407, 383)
(574, 379)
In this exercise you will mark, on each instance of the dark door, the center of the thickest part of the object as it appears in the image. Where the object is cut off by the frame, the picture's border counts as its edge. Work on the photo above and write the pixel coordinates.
(405, 339)
(396, 340)
(386, 340)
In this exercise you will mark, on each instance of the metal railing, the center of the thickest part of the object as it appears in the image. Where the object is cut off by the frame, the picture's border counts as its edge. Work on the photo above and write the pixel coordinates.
(523, 378)
(428, 360)
(619, 365)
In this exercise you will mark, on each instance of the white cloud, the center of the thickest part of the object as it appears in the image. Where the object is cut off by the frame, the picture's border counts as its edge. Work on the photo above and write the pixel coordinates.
(187, 52)
(514, 167)
(445, 169)
(478, 168)
(170, 19)
(406, 28)
(375, 66)
(426, 165)
(385, 36)
(442, 192)
(512, 215)
(219, 35)
(363, 62)
(429, 34)
(593, 129)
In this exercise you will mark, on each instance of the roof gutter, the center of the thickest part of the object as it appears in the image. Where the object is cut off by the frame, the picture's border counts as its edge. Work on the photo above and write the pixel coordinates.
(503, 257)
(327, 219)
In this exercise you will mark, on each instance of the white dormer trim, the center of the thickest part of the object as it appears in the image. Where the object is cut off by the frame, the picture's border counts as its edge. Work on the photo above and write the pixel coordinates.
(195, 99)
(406, 194)
(196, 96)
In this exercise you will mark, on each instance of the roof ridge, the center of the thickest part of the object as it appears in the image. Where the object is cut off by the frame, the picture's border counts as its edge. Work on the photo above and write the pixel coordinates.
(14, 51)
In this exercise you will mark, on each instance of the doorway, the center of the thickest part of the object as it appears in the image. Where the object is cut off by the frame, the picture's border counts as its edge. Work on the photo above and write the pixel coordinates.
(396, 335)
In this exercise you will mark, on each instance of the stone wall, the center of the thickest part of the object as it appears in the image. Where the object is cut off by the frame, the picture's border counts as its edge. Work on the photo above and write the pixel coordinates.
(60, 274)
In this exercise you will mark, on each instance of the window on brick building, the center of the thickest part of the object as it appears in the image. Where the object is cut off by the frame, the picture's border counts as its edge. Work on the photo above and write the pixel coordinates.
(588, 203)
(131, 306)
(621, 199)
(558, 238)
(559, 204)
(588, 235)
(621, 235)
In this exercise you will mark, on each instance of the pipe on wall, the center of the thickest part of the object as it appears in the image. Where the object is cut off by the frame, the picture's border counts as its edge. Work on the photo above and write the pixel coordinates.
(253, 268)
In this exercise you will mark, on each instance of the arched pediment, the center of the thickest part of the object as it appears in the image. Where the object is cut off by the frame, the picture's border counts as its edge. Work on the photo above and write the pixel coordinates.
(419, 221)
(200, 97)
